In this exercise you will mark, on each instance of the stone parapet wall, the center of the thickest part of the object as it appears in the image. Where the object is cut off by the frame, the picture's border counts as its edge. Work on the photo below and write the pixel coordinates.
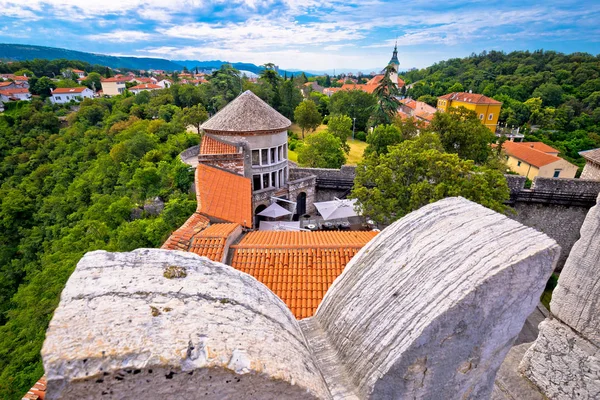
(347, 172)
(229, 162)
(575, 186)
(415, 314)
(191, 152)
(564, 361)
(515, 183)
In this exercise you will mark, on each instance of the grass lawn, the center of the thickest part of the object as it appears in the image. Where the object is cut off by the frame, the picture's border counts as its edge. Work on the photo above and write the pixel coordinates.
(296, 129)
(357, 149)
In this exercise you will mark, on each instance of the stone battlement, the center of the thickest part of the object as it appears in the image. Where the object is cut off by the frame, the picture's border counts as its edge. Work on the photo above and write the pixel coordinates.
(428, 309)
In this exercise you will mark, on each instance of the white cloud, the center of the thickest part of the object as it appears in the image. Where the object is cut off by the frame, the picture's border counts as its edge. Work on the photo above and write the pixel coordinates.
(121, 36)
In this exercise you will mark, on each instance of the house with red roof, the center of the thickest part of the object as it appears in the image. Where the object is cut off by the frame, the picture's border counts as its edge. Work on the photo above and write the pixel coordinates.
(66, 95)
(531, 159)
(16, 94)
(144, 87)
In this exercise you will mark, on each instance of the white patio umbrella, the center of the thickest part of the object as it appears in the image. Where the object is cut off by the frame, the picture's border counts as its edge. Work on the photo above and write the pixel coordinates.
(337, 208)
(274, 211)
(280, 226)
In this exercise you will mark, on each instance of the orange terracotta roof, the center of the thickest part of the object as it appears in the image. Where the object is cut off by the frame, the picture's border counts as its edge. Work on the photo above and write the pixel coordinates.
(224, 195)
(180, 239)
(2, 84)
(211, 241)
(150, 86)
(424, 115)
(69, 90)
(298, 266)
(473, 98)
(211, 145)
(531, 156)
(38, 391)
(375, 80)
(8, 92)
(77, 70)
(364, 88)
(20, 78)
(410, 103)
(538, 146)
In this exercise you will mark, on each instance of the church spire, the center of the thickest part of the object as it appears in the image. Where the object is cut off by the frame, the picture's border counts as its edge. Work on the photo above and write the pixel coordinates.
(394, 61)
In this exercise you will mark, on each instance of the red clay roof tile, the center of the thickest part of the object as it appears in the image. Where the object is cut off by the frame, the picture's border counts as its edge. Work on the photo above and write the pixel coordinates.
(224, 195)
(211, 145)
(473, 98)
(298, 266)
(530, 155)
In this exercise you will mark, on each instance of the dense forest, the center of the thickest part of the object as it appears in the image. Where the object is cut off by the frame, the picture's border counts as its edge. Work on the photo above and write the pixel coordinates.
(552, 97)
(76, 183)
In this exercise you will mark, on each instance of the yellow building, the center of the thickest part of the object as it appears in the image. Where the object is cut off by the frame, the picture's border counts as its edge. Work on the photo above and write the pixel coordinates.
(488, 110)
(531, 159)
(113, 86)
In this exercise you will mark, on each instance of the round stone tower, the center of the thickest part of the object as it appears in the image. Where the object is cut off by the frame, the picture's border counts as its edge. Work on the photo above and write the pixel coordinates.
(262, 131)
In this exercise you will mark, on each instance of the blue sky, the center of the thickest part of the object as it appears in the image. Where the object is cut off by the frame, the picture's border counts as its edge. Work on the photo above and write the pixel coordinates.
(303, 34)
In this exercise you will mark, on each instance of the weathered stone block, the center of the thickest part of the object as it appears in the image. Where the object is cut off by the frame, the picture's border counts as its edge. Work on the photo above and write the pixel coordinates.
(563, 364)
(158, 324)
(431, 306)
(576, 299)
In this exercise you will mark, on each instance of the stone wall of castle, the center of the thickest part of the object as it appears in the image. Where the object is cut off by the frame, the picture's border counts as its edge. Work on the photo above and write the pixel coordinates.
(229, 162)
(415, 314)
(564, 361)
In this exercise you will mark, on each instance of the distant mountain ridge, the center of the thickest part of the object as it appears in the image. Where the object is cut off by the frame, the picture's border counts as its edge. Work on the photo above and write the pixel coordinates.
(23, 52)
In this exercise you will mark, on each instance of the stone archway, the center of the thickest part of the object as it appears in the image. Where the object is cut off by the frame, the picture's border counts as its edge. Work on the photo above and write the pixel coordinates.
(301, 204)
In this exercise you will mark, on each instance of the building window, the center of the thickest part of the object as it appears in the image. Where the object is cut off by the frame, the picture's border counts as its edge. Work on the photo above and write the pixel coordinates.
(255, 157)
(518, 163)
(266, 181)
(491, 116)
(273, 158)
(281, 181)
(274, 178)
(264, 156)
(480, 116)
(57, 97)
(285, 154)
(556, 173)
(256, 182)
(280, 152)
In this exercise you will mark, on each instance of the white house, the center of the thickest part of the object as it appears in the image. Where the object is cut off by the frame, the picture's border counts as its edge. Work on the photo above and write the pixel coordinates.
(165, 83)
(65, 95)
(15, 95)
(144, 87)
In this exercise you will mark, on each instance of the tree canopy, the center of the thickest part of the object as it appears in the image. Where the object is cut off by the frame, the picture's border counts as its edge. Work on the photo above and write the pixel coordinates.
(307, 116)
(418, 172)
(321, 150)
(68, 190)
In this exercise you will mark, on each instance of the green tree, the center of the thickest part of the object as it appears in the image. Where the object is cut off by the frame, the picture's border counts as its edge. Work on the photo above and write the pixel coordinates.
(307, 116)
(290, 98)
(417, 172)
(457, 87)
(340, 126)
(461, 132)
(42, 87)
(550, 93)
(386, 94)
(429, 99)
(355, 104)
(93, 81)
(195, 116)
(381, 138)
(321, 150)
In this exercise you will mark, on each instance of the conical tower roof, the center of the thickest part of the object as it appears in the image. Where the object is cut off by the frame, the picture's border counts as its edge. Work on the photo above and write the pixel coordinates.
(246, 113)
